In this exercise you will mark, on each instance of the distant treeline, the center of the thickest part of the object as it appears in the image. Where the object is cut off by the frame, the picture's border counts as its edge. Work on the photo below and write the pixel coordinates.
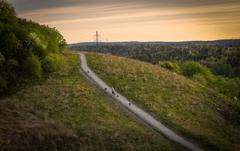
(222, 57)
(27, 49)
(216, 64)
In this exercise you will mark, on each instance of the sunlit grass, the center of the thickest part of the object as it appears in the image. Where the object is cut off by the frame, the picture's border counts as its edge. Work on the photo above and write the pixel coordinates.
(197, 112)
(99, 123)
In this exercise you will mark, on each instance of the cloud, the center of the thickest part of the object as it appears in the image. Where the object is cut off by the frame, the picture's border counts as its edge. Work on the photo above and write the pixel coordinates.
(30, 5)
(133, 15)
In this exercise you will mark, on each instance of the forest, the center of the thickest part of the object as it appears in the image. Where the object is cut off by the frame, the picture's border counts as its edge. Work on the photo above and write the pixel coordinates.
(213, 63)
(28, 50)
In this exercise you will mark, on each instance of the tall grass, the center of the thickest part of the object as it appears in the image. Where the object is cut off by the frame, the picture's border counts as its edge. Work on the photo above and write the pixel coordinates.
(198, 112)
(99, 124)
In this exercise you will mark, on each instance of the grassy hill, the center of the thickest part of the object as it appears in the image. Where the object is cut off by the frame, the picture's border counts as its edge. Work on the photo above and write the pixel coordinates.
(66, 111)
(197, 112)
(24, 129)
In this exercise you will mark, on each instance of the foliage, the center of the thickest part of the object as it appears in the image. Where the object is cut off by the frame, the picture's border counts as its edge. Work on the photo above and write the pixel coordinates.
(32, 68)
(228, 86)
(2, 83)
(24, 45)
(170, 66)
(7, 12)
(195, 70)
(225, 85)
(221, 57)
(54, 62)
(50, 64)
(190, 68)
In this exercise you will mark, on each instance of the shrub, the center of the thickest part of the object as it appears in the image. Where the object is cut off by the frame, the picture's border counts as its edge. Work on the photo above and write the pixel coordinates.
(190, 68)
(32, 68)
(228, 86)
(9, 44)
(22, 45)
(53, 63)
(11, 74)
(39, 51)
(49, 64)
(170, 66)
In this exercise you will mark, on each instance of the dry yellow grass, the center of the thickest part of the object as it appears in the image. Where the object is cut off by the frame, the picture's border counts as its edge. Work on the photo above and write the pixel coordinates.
(23, 129)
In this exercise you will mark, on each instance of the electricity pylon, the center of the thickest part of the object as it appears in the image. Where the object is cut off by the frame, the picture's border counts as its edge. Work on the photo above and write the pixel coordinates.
(97, 39)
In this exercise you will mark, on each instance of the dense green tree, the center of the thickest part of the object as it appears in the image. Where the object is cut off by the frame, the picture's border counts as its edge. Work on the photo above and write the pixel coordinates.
(8, 14)
(24, 47)
(10, 44)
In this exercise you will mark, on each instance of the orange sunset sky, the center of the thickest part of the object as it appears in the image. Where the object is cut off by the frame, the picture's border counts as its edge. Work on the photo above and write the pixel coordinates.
(136, 20)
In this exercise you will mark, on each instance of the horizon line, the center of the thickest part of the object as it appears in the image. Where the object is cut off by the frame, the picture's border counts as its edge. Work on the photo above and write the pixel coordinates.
(156, 41)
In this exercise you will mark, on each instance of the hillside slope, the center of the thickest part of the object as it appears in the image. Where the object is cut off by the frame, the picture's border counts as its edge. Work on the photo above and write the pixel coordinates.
(196, 111)
(98, 124)
(23, 129)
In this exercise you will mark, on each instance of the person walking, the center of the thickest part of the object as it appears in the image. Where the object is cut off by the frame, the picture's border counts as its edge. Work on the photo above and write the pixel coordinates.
(113, 91)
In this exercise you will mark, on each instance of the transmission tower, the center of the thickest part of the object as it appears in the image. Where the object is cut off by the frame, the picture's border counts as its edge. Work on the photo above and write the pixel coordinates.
(97, 39)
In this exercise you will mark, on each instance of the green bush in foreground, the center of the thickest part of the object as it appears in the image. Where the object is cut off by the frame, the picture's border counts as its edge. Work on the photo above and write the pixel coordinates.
(54, 63)
(50, 64)
(25, 48)
(32, 67)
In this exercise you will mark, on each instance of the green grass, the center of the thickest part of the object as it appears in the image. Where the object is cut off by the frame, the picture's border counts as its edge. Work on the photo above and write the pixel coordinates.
(195, 111)
(68, 98)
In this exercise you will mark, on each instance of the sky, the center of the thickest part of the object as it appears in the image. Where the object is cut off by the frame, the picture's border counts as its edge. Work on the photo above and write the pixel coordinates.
(136, 20)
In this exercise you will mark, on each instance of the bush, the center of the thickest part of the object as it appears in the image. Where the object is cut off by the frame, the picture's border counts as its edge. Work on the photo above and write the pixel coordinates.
(170, 66)
(191, 68)
(53, 63)
(9, 44)
(197, 71)
(22, 45)
(32, 68)
(227, 86)
(49, 64)
(11, 72)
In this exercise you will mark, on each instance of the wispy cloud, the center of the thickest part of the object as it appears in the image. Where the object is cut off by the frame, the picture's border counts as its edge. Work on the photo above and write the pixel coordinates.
(108, 15)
